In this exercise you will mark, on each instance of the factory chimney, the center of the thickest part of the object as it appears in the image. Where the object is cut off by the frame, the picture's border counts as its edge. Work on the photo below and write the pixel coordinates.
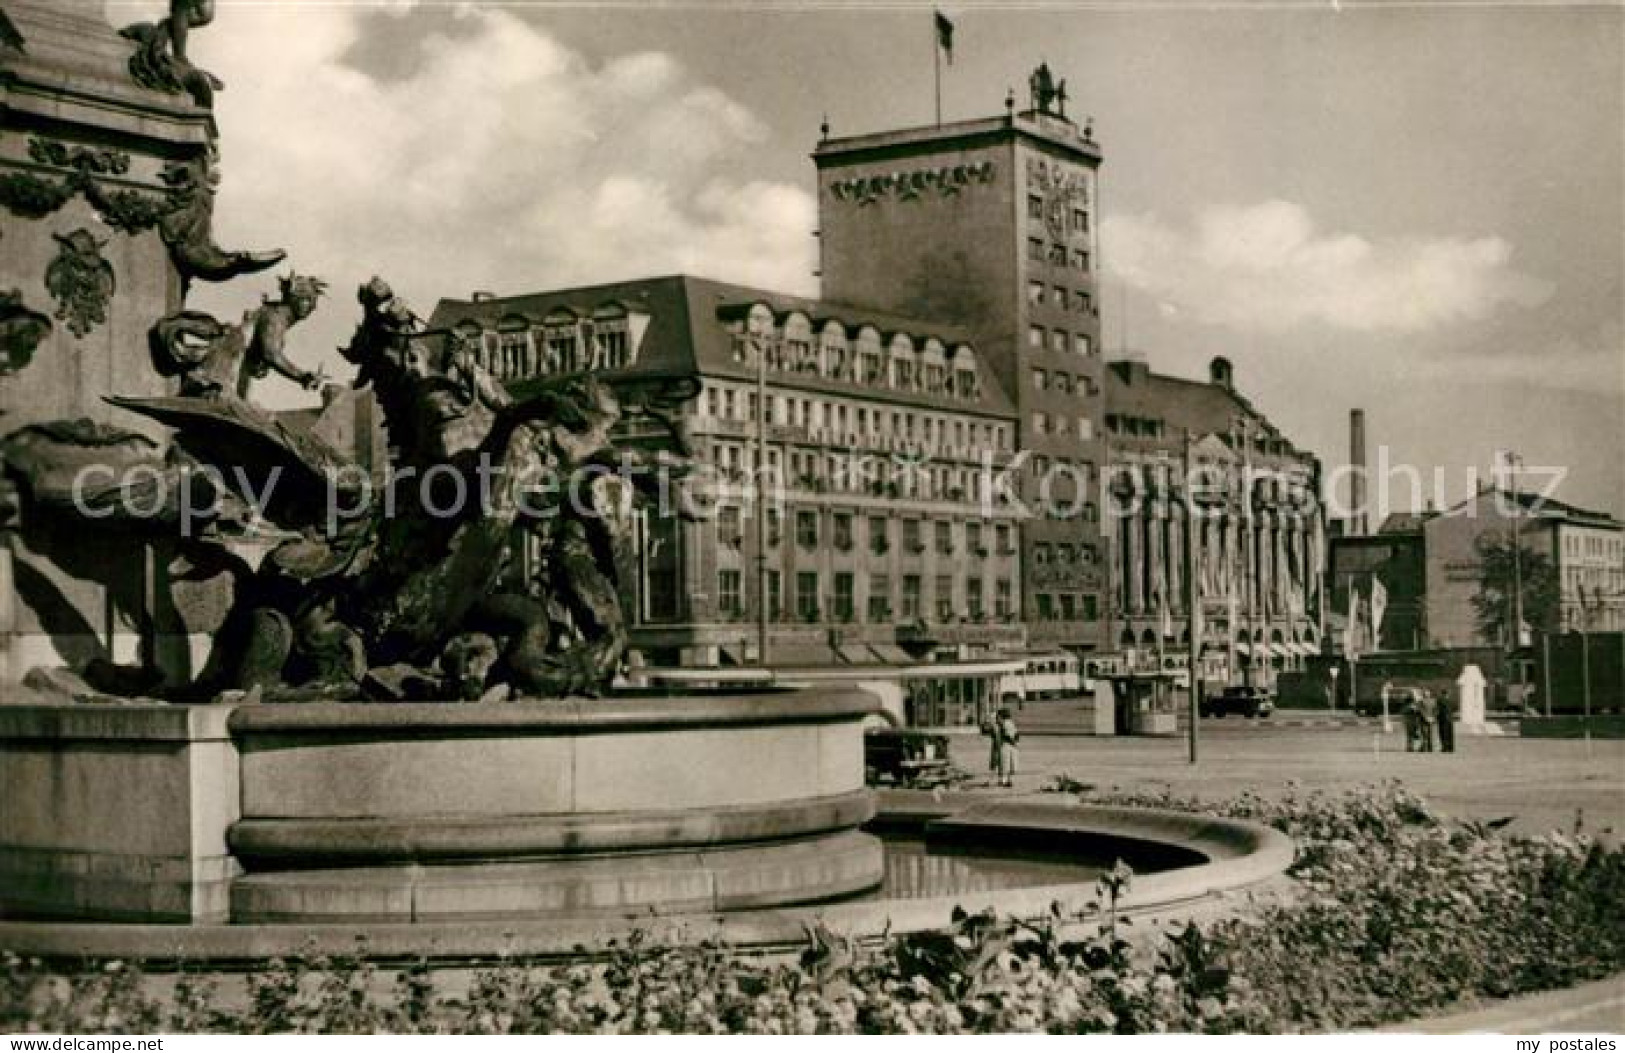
(1359, 522)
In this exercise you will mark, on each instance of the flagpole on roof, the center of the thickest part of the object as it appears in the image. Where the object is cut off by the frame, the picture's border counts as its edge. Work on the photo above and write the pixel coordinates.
(942, 40)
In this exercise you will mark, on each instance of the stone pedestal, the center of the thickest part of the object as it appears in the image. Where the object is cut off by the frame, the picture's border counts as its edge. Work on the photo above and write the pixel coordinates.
(422, 813)
(87, 160)
(116, 811)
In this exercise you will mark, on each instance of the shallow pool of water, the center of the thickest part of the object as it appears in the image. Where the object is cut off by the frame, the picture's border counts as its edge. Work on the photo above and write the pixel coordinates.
(916, 870)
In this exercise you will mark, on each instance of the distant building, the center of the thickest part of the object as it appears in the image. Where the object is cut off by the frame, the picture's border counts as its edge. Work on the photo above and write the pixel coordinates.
(1261, 542)
(992, 225)
(1585, 548)
(1396, 556)
(888, 546)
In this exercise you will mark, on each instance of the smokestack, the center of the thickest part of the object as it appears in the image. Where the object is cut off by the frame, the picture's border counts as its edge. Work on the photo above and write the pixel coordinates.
(1357, 480)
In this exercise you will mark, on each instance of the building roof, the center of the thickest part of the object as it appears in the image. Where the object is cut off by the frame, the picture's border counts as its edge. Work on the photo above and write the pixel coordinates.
(1550, 509)
(1203, 407)
(687, 334)
(1405, 522)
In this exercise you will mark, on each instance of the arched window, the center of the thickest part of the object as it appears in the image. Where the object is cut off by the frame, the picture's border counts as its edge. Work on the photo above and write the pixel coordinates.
(871, 360)
(933, 368)
(799, 354)
(904, 363)
(757, 338)
(836, 356)
(611, 338)
(513, 351)
(967, 381)
(561, 337)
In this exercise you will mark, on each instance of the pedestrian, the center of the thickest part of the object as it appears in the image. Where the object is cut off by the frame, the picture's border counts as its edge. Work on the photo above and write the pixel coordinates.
(1007, 735)
(995, 755)
(1413, 723)
(1447, 723)
(1429, 710)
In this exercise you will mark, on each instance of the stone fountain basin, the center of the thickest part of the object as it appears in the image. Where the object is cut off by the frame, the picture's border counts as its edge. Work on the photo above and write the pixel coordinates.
(414, 813)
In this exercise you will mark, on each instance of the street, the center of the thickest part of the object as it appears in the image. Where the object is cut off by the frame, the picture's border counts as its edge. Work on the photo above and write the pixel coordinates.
(1544, 784)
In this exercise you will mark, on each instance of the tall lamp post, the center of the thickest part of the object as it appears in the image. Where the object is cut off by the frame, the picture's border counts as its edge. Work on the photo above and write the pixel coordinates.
(760, 347)
(1514, 461)
(1193, 619)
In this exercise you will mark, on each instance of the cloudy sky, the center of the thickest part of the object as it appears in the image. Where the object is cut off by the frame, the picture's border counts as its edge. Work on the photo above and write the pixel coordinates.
(1414, 209)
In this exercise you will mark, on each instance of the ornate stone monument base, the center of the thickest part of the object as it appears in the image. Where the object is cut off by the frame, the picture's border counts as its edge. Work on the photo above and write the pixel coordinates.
(421, 813)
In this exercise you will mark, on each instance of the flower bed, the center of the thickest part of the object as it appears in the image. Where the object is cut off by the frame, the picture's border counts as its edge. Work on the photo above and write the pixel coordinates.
(1397, 912)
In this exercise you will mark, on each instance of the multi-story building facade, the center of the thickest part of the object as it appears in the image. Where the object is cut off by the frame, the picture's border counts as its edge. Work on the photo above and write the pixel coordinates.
(1260, 543)
(991, 225)
(1395, 556)
(1585, 549)
(886, 539)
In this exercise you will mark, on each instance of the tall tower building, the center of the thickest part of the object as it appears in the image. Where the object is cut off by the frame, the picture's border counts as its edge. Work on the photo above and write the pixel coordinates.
(991, 225)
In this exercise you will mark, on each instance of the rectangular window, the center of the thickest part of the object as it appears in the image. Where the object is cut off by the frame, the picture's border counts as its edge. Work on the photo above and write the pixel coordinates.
(1035, 337)
(879, 598)
(945, 537)
(807, 529)
(1035, 293)
(1040, 423)
(730, 597)
(1080, 220)
(1060, 297)
(1035, 249)
(843, 531)
(945, 597)
(1041, 552)
(1057, 254)
(1058, 341)
(1086, 429)
(1035, 206)
(973, 539)
(911, 597)
(1001, 533)
(843, 597)
(1080, 259)
(912, 544)
(1040, 379)
(879, 540)
(1083, 302)
(1045, 604)
(1069, 607)
(1063, 383)
(1082, 345)
(729, 531)
(1002, 598)
(1091, 607)
(807, 595)
(973, 598)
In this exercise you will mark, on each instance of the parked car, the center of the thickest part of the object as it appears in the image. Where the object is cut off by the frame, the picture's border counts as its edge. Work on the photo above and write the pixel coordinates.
(1240, 699)
(906, 757)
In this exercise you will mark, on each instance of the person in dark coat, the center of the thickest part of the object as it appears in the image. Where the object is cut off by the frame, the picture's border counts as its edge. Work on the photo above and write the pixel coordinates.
(1446, 718)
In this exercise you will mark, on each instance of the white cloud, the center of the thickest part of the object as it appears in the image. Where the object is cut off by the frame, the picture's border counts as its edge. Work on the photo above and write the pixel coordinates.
(1266, 267)
(501, 160)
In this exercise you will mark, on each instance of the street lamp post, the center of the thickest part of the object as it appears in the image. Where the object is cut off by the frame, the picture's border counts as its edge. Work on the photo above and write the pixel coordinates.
(1193, 621)
(761, 503)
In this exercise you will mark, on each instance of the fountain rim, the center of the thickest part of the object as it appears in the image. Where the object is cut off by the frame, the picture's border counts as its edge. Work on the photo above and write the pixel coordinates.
(1241, 854)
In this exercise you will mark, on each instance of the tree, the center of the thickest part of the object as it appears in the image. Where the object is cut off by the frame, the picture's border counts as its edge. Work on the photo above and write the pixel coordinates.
(1493, 603)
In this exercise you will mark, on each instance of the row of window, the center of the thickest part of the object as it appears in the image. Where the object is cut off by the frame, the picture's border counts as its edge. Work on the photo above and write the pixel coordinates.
(900, 363)
(593, 344)
(851, 423)
(855, 473)
(947, 600)
(1575, 545)
(1064, 383)
(1077, 222)
(1056, 254)
(1066, 606)
(1039, 293)
(1060, 341)
(1065, 554)
(1063, 426)
(980, 540)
